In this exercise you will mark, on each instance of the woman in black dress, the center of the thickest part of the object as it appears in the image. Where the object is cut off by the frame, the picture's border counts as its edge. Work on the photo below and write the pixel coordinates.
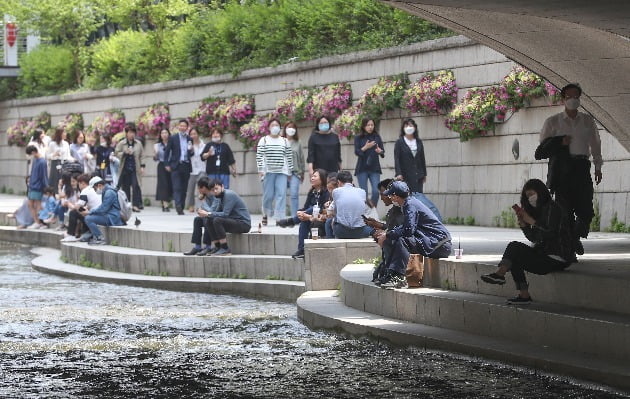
(164, 191)
(324, 148)
(103, 153)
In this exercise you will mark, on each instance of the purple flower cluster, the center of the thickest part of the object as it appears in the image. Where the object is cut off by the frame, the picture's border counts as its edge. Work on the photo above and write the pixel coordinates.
(17, 134)
(293, 107)
(330, 101)
(386, 94)
(432, 94)
(153, 120)
(110, 123)
(72, 124)
(227, 113)
(251, 132)
(474, 115)
(349, 122)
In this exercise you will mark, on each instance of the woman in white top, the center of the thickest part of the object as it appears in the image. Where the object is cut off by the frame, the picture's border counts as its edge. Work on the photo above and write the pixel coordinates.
(80, 150)
(274, 159)
(198, 169)
(58, 153)
(40, 140)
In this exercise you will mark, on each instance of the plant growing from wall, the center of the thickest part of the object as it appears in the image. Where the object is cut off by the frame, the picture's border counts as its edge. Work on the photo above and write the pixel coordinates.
(293, 106)
(250, 133)
(153, 120)
(42, 120)
(432, 93)
(330, 101)
(72, 124)
(474, 115)
(349, 122)
(386, 95)
(109, 123)
(203, 116)
(18, 133)
(234, 112)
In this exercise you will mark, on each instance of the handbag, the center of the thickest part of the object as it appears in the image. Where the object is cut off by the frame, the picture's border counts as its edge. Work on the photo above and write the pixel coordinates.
(415, 271)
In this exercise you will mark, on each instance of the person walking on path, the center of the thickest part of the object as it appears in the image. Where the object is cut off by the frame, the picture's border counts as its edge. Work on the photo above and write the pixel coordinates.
(545, 223)
(299, 165)
(421, 233)
(129, 151)
(410, 164)
(198, 169)
(37, 182)
(274, 159)
(164, 189)
(220, 163)
(368, 147)
(574, 190)
(324, 148)
(177, 157)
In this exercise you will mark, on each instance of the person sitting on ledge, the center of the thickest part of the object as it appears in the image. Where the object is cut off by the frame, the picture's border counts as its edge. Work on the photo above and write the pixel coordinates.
(201, 220)
(420, 233)
(228, 214)
(548, 225)
(393, 218)
(88, 199)
(317, 196)
(349, 207)
(107, 214)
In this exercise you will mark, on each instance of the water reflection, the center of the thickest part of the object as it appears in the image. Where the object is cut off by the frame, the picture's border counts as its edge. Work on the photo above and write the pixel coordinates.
(73, 338)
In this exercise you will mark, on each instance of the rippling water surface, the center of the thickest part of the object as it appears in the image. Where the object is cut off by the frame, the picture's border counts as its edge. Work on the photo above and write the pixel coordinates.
(70, 338)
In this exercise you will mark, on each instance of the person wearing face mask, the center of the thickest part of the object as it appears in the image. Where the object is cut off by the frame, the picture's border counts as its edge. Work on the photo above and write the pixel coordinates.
(299, 165)
(107, 214)
(410, 164)
(129, 151)
(103, 162)
(546, 224)
(324, 148)
(219, 158)
(574, 190)
(274, 160)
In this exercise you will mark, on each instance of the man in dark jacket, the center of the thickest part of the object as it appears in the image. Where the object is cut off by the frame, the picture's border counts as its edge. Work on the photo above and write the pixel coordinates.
(421, 233)
(107, 214)
(177, 158)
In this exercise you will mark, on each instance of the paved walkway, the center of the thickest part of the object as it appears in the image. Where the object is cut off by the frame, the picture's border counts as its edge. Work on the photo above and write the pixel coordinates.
(474, 240)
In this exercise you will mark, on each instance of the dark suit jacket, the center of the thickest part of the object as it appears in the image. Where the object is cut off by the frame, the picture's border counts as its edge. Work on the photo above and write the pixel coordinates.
(173, 153)
(413, 169)
(559, 160)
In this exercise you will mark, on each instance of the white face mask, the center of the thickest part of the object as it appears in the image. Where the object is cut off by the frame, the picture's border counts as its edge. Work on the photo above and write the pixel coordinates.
(275, 130)
(533, 199)
(290, 131)
(216, 139)
(572, 103)
(409, 130)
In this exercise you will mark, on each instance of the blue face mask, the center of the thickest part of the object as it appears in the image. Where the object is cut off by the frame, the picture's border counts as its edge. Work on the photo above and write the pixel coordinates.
(324, 127)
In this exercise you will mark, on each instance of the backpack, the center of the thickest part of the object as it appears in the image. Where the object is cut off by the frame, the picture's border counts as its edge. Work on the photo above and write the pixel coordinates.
(126, 209)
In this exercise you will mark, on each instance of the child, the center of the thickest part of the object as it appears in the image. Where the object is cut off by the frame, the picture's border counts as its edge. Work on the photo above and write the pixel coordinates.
(49, 204)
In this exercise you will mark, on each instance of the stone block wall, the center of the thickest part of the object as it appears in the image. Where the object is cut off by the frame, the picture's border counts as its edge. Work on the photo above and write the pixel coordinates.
(479, 178)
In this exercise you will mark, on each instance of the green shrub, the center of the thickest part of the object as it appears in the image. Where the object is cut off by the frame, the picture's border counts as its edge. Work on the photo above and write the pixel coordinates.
(46, 70)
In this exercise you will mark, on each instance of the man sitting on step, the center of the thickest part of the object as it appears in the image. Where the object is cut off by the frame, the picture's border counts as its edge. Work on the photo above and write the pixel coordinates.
(107, 214)
(200, 224)
(421, 233)
(228, 214)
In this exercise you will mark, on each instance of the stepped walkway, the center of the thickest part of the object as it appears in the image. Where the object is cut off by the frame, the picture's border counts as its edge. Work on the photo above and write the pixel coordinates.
(579, 324)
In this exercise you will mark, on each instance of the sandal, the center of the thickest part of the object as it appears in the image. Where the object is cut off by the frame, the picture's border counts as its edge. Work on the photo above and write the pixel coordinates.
(264, 220)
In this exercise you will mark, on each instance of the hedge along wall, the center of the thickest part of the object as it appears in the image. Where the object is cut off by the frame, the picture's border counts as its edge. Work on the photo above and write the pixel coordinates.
(478, 178)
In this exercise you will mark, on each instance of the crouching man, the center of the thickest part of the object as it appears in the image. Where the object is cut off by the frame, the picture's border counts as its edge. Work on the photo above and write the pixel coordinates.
(200, 223)
(228, 214)
(421, 233)
(107, 214)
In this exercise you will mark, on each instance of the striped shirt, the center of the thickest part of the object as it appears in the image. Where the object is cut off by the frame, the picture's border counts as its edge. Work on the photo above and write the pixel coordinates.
(274, 155)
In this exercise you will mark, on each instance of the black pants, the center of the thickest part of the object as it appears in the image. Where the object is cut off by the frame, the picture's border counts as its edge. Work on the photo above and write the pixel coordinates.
(520, 257)
(575, 193)
(129, 180)
(74, 217)
(198, 226)
(217, 227)
(180, 178)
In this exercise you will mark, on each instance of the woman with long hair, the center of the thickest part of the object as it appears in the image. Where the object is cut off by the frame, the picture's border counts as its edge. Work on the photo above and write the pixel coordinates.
(290, 131)
(80, 150)
(547, 225)
(58, 153)
(103, 162)
(164, 190)
(368, 147)
(198, 169)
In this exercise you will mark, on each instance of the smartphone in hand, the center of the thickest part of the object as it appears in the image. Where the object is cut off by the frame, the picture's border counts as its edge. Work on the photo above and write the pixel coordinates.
(517, 208)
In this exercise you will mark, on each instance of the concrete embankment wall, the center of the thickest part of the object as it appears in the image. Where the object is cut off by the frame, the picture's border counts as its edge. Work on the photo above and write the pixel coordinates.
(479, 178)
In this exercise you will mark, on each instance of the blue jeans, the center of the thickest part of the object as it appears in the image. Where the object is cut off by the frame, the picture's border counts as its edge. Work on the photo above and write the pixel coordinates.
(374, 178)
(225, 179)
(92, 222)
(275, 189)
(60, 212)
(328, 227)
(427, 202)
(342, 231)
(294, 193)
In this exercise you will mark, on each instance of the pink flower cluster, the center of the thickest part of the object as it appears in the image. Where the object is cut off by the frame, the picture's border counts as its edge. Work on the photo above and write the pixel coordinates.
(251, 132)
(153, 120)
(330, 101)
(553, 93)
(349, 122)
(227, 113)
(110, 123)
(386, 94)
(72, 124)
(432, 94)
(203, 117)
(474, 115)
(293, 106)
(18, 133)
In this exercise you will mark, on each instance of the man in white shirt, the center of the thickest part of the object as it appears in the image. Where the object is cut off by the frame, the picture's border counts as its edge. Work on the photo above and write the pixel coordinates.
(88, 199)
(349, 208)
(575, 190)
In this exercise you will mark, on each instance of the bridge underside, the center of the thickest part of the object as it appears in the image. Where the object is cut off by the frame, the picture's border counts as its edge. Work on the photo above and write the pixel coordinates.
(582, 41)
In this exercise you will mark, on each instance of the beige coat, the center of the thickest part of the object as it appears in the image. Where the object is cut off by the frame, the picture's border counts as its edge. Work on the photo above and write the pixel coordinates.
(120, 152)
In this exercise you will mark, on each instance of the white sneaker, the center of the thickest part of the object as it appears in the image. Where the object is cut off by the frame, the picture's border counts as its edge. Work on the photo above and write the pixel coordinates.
(69, 239)
(34, 226)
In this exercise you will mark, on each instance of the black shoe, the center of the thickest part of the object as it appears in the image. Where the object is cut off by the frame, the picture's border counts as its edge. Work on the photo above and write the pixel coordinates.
(204, 251)
(298, 255)
(165, 209)
(213, 250)
(264, 220)
(180, 211)
(518, 300)
(193, 251)
(579, 248)
(222, 252)
(395, 281)
(493, 278)
(285, 222)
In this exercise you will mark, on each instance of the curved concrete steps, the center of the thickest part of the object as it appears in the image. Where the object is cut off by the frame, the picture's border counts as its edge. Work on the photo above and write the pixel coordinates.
(326, 310)
(49, 261)
(146, 262)
(546, 325)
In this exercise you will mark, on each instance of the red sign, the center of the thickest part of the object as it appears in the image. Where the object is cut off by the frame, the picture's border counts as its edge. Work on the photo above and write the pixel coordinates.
(11, 33)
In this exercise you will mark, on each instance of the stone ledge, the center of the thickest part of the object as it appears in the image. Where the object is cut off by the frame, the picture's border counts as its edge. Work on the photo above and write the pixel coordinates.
(544, 325)
(324, 310)
(288, 291)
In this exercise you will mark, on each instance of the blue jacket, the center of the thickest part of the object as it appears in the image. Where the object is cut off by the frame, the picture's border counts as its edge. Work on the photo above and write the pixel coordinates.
(39, 175)
(421, 223)
(110, 207)
(48, 207)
